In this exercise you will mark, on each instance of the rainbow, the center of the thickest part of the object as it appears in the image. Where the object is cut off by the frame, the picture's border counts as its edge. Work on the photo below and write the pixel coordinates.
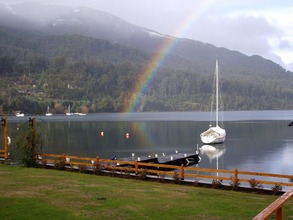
(146, 77)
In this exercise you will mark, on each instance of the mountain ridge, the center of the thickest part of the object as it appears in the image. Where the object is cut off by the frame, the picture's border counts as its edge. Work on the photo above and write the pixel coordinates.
(97, 72)
(102, 25)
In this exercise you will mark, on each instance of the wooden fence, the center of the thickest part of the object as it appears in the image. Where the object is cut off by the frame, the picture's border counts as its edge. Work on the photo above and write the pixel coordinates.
(2, 153)
(161, 170)
(185, 173)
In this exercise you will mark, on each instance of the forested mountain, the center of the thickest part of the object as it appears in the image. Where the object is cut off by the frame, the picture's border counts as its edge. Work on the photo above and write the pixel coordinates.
(59, 61)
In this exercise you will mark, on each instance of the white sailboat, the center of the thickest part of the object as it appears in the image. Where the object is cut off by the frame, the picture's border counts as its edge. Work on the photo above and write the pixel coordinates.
(19, 114)
(215, 134)
(69, 113)
(48, 113)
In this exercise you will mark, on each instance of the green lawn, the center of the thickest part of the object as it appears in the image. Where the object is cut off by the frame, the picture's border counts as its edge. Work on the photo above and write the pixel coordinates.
(32, 193)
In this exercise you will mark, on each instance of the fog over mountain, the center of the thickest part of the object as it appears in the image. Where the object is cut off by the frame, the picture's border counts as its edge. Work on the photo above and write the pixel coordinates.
(250, 27)
(84, 21)
(62, 20)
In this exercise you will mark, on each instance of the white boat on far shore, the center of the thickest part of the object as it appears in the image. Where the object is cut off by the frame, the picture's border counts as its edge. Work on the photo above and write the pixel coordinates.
(69, 113)
(80, 114)
(48, 113)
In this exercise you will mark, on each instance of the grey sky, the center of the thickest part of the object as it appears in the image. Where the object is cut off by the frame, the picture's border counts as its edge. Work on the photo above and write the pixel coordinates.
(260, 27)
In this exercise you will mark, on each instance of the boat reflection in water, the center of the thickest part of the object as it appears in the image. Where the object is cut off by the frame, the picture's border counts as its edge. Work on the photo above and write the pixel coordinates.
(213, 152)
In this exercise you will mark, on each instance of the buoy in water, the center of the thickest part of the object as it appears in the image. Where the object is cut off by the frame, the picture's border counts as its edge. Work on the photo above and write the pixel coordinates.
(102, 133)
(127, 135)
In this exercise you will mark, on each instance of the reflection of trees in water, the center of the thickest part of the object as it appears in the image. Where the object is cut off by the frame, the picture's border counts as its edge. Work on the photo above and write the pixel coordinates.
(145, 137)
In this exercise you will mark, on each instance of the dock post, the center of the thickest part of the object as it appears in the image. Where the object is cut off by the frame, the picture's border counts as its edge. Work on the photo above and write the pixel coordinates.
(182, 171)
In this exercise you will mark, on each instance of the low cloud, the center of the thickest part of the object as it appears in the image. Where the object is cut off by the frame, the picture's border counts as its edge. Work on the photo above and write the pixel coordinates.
(261, 27)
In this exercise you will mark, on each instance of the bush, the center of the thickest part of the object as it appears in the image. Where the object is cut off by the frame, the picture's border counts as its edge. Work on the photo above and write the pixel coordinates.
(234, 184)
(161, 177)
(127, 174)
(217, 184)
(143, 174)
(277, 189)
(83, 168)
(60, 164)
(176, 177)
(254, 184)
(27, 145)
(98, 169)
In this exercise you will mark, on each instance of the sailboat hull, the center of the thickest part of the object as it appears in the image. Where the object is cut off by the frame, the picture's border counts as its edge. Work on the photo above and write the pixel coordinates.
(214, 135)
(48, 113)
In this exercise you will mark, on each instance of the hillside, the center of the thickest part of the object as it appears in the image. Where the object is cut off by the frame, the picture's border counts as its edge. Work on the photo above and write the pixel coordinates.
(94, 68)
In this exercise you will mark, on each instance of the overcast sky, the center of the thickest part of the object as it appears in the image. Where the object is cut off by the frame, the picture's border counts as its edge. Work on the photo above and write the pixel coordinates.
(262, 27)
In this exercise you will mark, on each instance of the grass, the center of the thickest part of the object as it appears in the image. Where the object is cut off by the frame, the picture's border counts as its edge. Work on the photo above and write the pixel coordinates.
(32, 193)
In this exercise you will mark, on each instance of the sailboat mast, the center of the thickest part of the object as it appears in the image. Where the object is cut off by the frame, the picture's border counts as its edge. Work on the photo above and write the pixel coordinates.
(217, 94)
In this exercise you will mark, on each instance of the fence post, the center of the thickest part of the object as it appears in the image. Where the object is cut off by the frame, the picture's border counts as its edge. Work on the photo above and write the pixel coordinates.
(280, 213)
(97, 165)
(63, 159)
(97, 162)
(136, 167)
(182, 171)
(235, 179)
(5, 124)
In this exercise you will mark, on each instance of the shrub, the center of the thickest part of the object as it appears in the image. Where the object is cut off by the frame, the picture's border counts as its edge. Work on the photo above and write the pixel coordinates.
(217, 184)
(161, 177)
(234, 184)
(127, 174)
(82, 168)
(27, 145)
(97, 168)
(60, 164)
(143, 174)
(254, 184)
(277, 189)
(176, 177)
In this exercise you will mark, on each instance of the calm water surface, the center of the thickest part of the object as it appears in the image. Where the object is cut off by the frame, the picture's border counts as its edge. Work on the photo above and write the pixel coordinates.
(256, 141)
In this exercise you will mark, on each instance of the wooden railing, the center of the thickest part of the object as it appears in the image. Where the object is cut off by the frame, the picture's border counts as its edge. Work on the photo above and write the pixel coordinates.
(275, 207)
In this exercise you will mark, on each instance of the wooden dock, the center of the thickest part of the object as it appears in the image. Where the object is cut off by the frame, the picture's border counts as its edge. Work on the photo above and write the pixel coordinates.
(176, 159)
(179, 159)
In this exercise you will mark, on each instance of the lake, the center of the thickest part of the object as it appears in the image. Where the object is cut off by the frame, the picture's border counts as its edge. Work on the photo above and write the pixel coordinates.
(256, 140)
